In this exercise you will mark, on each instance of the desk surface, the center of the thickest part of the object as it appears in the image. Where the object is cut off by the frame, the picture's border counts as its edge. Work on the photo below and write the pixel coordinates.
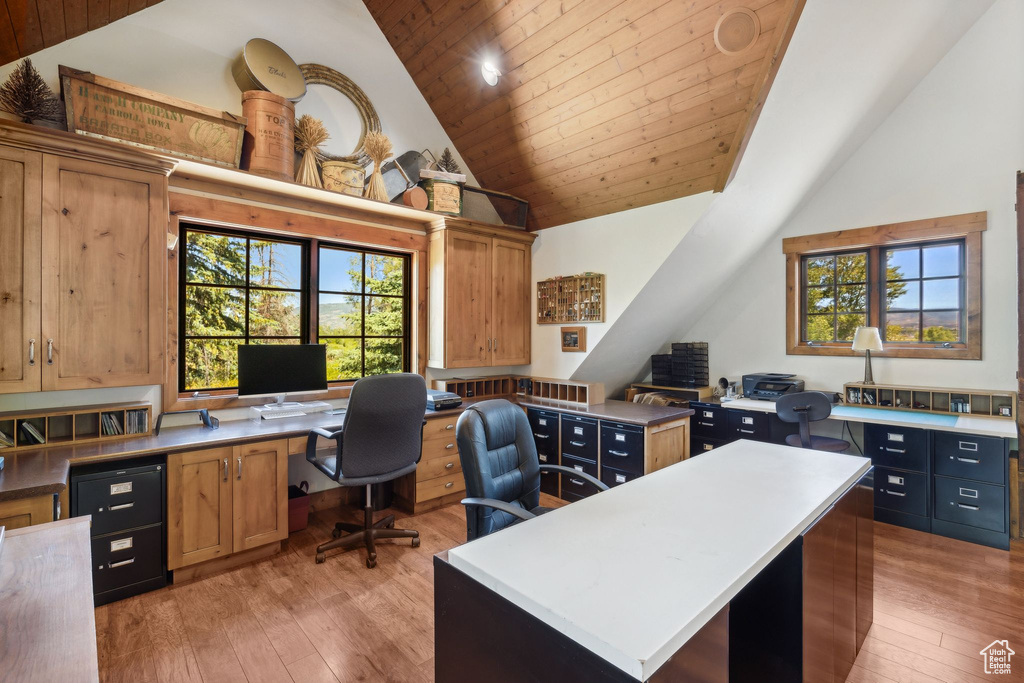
(969, 424)
(46, 610)
(643, 566)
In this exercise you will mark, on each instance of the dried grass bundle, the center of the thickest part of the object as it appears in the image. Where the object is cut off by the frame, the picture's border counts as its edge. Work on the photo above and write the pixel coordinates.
(378, 148)
(310, 133)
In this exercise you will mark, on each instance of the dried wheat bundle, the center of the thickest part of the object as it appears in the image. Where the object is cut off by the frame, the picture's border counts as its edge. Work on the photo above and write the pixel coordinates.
(310, 133)
(378, 148)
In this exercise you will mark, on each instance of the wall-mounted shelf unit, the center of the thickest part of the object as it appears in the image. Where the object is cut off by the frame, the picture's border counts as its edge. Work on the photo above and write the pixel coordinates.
(1001, 404)
(571, 299)
(61, 426)
(562, 390)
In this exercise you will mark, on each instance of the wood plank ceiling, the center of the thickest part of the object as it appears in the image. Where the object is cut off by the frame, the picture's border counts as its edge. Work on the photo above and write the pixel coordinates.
(28, 26)
(602, 105)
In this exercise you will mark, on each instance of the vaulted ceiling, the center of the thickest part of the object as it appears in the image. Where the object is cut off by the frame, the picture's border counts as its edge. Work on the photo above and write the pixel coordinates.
(27, 26)
(602, 105)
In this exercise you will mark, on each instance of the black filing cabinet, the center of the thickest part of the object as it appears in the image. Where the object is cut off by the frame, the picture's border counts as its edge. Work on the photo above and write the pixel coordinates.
(709, 427)
(715, 424)
(579, 451)
(902, 474)
(971, 500)
(127, 502)
(622, 452)
(544, 424)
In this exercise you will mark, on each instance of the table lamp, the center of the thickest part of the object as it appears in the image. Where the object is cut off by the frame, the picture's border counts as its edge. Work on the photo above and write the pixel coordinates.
(867, 339)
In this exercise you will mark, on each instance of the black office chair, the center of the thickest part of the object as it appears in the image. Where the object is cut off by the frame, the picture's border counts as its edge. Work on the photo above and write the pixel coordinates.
(380, 440)
(501, 468)
(804, 408)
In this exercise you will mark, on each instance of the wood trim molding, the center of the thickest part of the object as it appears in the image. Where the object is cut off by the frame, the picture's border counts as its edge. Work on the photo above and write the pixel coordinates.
(968, 226)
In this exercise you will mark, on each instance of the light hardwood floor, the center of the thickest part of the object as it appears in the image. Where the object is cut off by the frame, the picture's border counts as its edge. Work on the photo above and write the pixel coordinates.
(937, 603)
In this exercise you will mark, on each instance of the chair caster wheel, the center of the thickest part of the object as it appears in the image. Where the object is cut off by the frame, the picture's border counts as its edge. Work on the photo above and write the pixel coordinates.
(320, 557)
(416, 543)
(371, 563)
(336, 533)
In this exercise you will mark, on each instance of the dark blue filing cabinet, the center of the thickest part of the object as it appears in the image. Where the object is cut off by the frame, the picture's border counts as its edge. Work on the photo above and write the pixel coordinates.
(715, 425)
(579, 449)
(544, 424)
(902, 474)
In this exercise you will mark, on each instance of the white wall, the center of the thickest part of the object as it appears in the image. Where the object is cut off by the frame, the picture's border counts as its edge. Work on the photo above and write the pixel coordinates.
(952, 146)
(627, 247)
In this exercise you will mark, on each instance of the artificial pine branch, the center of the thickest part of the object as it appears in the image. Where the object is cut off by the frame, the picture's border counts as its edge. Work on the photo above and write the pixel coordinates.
(26, 95)
(447, 162)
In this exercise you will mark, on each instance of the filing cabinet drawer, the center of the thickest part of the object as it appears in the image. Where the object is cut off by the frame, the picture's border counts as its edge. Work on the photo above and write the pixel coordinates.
(544, 424)
(579, 437)
(981, 458)
(123, 558)
(438, 467)
(700, 445)
(709, 422)
(613, 477)
(622, 447)
(971, 503)
(901, 491)
(573, 485)
(441, 427)
(746, 424)
(548, 480)
(901, 447)
(129, 498)
(439, 486)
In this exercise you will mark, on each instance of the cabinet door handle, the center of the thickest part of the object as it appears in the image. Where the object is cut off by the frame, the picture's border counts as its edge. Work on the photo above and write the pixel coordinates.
(619, 453)
(239, 468)
(449, 484)
(488, 343)
(972, 461)
(578, 444)
(449, 466)
(968, 446)
(896, 493)
(31, 351)
(49, 352)
(495, 343)
(895, 450)
(225, 469)
(115, 565)
(122, 506)
(973, 508)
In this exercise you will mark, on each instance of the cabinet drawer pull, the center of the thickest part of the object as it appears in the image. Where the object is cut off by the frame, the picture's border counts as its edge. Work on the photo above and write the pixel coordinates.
(49, 352)
(621, 454)
(896, 493)
(747, 431)
(895, 450)
(972, 508)
(968, 446)
(449, 466)
(31, 351)
(239, 468)
(451, 426)
(115, 565)
(970, 461)
(225, 469)
(578, 444)
(449, 484)
(122, 506)
(577, 482)
(449, 447)
(541, 436)
(706, 424)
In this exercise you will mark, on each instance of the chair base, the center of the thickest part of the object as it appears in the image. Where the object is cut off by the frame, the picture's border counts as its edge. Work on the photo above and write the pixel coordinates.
(365, 534)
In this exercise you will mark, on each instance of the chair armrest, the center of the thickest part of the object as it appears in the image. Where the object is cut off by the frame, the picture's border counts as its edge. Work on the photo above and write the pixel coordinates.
(593, 481)
(314, 436)
(499, 505)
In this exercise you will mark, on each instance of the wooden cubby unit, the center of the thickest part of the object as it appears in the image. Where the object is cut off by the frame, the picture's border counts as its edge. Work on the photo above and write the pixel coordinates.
(932, 399)
(561, 390)
(80, 424)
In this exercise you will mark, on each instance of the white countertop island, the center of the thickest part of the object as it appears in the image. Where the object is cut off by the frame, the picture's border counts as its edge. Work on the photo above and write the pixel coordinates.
(633, 573)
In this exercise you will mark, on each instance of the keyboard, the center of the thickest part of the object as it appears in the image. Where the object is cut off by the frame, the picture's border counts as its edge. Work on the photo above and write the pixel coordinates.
(280, 415)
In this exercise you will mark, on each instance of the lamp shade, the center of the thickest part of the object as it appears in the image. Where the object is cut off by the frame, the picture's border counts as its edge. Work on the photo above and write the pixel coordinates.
(867, 339)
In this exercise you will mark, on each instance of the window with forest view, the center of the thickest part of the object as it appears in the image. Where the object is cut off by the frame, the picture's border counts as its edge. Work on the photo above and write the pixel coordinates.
(238, 288)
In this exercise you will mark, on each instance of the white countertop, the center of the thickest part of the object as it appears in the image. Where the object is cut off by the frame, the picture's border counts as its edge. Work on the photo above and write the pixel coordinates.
(972, 424)
(634, 572)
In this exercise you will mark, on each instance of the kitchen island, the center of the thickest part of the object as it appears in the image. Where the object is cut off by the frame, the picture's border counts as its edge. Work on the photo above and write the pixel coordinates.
(672, 574)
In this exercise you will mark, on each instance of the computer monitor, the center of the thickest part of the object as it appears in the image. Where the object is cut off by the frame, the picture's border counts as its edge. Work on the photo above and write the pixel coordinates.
(279, 369)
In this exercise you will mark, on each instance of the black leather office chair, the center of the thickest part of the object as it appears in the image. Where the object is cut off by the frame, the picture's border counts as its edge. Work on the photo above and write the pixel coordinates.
(501, 468)
(804, 408)
(380, 440)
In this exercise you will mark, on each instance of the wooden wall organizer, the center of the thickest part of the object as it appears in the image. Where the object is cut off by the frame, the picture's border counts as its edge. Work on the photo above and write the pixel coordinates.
(571, 299)
(561, 390)
(932, 399)
(82, 424)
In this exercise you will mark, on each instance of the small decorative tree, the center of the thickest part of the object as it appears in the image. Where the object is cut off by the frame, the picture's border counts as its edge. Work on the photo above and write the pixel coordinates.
(26, 95)
(447, 162)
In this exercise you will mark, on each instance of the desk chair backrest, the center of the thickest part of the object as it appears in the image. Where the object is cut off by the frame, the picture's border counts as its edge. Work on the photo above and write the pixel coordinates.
(804, 408)
(499, 460)
(383, 428)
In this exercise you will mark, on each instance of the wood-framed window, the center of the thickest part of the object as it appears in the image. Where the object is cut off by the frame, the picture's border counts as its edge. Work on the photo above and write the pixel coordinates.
(919, 282)
(241, 287)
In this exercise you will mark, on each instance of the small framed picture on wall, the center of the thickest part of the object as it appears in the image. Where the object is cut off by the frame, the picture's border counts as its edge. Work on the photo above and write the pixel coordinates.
(574, 339)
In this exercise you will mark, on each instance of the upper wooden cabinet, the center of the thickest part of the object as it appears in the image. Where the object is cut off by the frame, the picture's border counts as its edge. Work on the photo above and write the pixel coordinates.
(478, 296)
(82, 263)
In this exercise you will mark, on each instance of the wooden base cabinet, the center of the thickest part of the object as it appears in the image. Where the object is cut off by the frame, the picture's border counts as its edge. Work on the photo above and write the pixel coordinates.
(225, 500)
(479, 297)
(438, 478)
(22, 512)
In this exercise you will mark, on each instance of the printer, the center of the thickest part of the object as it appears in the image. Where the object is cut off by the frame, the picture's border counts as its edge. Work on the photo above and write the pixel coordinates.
(770, 386)
(439, 400)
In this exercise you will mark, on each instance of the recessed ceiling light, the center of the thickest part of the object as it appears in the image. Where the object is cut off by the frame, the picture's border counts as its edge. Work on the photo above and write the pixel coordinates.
(490, 73)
